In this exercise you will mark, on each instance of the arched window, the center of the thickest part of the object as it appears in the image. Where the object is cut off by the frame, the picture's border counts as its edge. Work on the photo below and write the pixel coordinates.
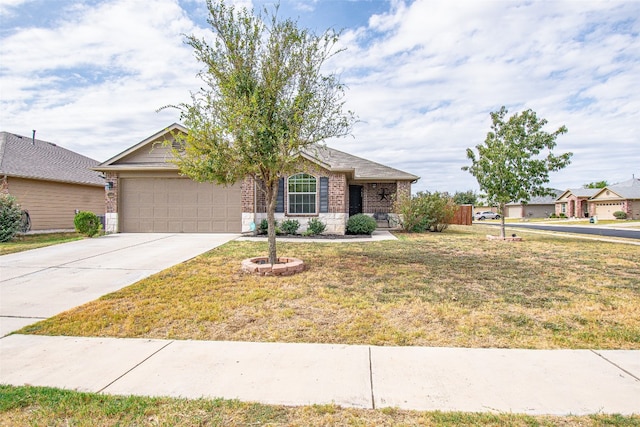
(302, 190)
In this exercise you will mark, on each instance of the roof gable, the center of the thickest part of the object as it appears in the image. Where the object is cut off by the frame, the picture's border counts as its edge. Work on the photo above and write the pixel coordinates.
(140, 156)
(625, 190)
(578, 192)
(32, 158)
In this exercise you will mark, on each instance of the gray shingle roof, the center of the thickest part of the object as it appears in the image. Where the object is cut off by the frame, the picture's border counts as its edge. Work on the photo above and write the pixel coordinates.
(21, 156)
(362, 169)
(584, 192)
(628, 189)
(544, 200)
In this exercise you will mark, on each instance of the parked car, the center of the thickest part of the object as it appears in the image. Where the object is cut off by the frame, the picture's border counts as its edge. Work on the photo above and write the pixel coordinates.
(486, 215)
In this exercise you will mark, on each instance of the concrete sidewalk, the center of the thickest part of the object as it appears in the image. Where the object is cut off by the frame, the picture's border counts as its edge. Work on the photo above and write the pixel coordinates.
(533, 382)
(43, 282)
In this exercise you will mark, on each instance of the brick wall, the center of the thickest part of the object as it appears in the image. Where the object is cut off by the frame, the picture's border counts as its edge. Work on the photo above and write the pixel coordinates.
(247, 195)
(378, 197)
(337, 190)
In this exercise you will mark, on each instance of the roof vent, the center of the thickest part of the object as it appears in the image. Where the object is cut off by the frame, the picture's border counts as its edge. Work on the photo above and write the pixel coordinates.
(33, 138)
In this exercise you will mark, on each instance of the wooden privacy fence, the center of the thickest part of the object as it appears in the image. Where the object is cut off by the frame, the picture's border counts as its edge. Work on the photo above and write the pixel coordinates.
(463, 215)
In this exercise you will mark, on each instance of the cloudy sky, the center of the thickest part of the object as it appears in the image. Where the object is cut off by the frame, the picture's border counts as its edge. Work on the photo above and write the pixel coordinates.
(423, 76)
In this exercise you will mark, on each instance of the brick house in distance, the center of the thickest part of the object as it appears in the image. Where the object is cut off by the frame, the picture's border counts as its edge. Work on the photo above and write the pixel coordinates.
(601, 202)
(574, 202)
(146, 193)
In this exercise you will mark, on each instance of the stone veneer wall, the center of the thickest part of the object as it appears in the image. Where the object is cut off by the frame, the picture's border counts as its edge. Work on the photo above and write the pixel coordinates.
(111, 204)
(4, 185)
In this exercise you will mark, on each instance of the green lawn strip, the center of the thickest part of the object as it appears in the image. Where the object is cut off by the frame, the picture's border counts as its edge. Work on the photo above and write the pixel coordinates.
(36, 406)
(27, 242)
(437, 289)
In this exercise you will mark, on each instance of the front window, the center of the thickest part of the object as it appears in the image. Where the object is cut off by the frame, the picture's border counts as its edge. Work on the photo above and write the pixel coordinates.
(302, 194)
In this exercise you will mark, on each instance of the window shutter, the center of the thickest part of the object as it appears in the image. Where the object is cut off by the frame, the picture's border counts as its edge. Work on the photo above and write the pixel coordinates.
(280, 196)
(324, 194)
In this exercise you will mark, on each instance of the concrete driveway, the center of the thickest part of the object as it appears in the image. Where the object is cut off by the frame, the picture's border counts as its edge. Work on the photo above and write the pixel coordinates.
(43, 282)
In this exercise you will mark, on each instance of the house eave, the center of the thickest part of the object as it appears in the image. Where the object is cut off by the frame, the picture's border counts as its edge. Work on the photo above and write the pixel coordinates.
(62, 181)
(129, 168)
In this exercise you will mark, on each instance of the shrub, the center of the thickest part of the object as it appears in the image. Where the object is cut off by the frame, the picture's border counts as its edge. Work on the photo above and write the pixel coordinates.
(553, 216)
(425, 212)
(620, 215)
(10, 217)
(264, 227)
(315, 226)
(361, 224)
(87, 223)
(290, 226)
(562, 215)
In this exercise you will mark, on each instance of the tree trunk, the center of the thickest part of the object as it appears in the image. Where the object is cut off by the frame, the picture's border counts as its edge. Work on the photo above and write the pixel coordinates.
(502, 227)
(271, 195)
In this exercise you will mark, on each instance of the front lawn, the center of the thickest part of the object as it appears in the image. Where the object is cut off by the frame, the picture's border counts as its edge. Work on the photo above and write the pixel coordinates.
(437, 289)
(20, 406)
(26, 242)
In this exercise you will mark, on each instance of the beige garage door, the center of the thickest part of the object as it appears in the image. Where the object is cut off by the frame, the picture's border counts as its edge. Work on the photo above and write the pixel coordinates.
(605, 210)
(178, 205)
(513, 211)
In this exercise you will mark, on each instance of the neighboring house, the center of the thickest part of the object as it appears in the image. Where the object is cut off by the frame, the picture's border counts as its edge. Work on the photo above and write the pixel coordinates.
(49, 181)
(146, 193)
(624, 197)
(575, 202)
(537, 207)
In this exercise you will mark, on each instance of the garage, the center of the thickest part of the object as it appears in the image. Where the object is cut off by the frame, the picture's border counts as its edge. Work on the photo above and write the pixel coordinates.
(178, 205)
(605, 210)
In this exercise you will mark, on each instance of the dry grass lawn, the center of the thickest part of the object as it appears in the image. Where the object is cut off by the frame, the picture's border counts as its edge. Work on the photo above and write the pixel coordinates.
(437, 289)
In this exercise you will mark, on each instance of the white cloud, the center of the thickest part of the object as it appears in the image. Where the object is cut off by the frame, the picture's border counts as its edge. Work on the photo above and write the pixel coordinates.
(95, 79)
(426, 84)
(422, 77)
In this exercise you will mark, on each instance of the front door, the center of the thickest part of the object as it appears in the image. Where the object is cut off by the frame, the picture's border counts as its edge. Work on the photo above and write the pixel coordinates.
(355, 199)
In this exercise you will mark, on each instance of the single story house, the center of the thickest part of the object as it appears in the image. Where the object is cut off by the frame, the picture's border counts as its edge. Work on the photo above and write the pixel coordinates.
(537, 207)
(48, 181)
(574, 202)
(146, 193)
(624, 197)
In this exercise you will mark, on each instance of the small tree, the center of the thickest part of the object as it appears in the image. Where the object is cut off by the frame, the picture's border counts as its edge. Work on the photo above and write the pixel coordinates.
(263, 101)
(468, 197)
(514, 162)
(596, 184)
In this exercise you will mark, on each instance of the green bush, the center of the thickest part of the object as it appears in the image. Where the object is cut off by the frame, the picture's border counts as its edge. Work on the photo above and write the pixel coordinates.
(620, 215)
(290, 226)
(87, 223)
(361, 224)
(563, 215)
(315, 226)
(425, 212)
(264, 227)
(553, 216)
(10, 217)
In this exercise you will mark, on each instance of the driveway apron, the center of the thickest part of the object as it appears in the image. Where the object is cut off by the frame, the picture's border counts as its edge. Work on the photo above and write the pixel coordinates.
(43, 282)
